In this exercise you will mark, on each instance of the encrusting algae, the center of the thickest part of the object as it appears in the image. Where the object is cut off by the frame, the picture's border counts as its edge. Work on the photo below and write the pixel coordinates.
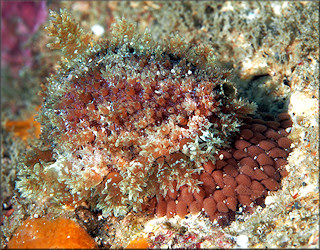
(130, 122)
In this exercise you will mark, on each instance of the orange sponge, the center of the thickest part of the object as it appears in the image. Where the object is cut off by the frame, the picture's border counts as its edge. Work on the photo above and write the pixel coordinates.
(139, 243)
(44, 233)
(25, 129)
